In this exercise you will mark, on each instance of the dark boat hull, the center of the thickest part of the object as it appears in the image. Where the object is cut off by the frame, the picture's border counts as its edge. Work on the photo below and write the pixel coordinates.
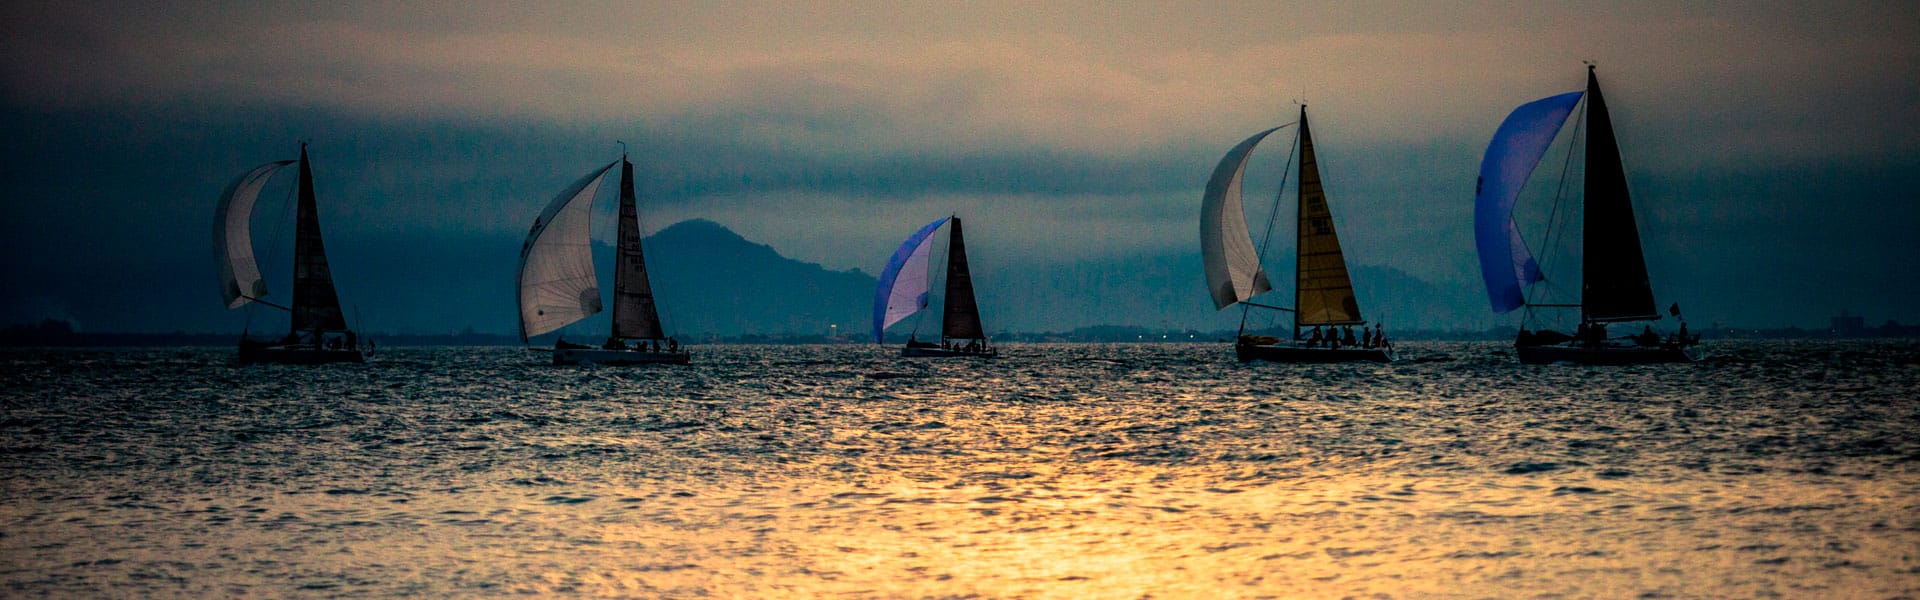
(1296, 354)
(294, 355)
(1606, 355)
(918, 352)
(601, 356)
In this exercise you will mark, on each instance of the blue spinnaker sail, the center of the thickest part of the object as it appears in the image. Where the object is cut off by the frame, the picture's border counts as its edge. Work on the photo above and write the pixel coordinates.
(904, 283)
(1517, 146)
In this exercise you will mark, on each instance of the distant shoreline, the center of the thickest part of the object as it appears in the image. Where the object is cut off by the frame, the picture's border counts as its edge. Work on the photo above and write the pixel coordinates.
(57, 334)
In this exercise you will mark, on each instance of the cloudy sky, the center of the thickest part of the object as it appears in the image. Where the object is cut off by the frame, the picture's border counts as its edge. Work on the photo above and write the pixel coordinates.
(1773, 148)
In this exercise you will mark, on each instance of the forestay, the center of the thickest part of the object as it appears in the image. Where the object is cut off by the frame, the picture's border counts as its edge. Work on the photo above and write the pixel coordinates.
(1505, 264)
(904, 281)
(240, 280)
(556, 281)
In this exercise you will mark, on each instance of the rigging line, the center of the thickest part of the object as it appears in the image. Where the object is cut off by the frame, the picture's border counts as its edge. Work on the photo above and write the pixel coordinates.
(1277, 197)
(1561, 220)
(1274, 216)
(265, 302)
(273, 245)
(1269, 232)
(1545, 254)
(920, 313)
(939, 276)
(1560, 194)
(1269, 306)
(605, 182)
(280, 224)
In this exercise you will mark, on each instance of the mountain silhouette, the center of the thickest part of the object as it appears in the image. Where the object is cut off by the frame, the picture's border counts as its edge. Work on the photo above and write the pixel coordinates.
(709, 281)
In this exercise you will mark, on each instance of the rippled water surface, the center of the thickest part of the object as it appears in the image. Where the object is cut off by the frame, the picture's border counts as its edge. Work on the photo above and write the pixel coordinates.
(1070, 471)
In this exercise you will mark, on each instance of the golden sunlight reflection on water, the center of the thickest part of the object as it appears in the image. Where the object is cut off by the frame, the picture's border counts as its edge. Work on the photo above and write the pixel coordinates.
(1079, 479)
(1105, 530)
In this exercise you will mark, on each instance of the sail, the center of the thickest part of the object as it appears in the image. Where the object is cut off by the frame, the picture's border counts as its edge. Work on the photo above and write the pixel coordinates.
(1226, 247)
(634, 315)
(962, 318)
(556, 279)
(1324, 294)
(903, 283)
(240, 281)
(1613, 268)
(1505, 264)
(316, 305)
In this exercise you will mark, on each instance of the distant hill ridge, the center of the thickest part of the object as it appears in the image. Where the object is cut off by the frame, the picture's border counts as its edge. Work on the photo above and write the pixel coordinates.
(709, 280)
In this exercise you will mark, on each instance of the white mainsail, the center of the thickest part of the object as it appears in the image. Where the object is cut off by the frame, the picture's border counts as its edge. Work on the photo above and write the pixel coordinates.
(1226, 247)
(240, 281)
(557, 282)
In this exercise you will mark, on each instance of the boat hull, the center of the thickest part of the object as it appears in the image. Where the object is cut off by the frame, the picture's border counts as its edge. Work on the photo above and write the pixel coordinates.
(916, 352)
(1606, 355)
(288, 355)
(601, 356)
(1296, 354)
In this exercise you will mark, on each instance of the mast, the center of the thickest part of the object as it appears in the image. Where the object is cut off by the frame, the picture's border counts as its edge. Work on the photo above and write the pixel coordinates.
(1323, 291)
(634, 314)
(316, 305)
(1299, 230)
(961, 318)
(1614, 284)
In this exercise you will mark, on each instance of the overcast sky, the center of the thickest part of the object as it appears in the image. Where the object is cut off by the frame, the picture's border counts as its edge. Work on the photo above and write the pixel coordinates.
(1773, 148)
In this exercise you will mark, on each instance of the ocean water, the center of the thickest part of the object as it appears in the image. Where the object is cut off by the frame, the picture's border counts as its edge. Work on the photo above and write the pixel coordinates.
(1772, 469)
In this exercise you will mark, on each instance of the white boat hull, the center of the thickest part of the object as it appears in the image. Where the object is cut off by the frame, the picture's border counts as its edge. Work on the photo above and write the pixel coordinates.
(600, 356)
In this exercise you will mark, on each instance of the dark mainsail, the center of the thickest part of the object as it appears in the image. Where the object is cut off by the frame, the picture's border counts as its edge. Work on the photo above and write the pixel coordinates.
(634, 315)
(316, 306)
(962, 318)
(1614, 269)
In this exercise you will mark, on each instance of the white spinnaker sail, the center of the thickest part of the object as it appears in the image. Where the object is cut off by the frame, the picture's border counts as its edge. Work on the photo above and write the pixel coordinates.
(1226, 247)
(240, 281)
(557, 283)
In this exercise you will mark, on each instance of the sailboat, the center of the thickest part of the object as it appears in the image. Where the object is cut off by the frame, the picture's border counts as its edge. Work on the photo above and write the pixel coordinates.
(1614, 286)
(904, 284)
(318, 330)
(1322, 292)
(558, 286)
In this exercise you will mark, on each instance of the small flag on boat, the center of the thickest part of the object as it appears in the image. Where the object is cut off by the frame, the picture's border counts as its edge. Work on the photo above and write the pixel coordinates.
(1674, 310)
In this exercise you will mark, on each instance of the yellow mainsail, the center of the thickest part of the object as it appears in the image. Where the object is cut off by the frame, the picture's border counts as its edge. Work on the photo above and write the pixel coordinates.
(1324, 293)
